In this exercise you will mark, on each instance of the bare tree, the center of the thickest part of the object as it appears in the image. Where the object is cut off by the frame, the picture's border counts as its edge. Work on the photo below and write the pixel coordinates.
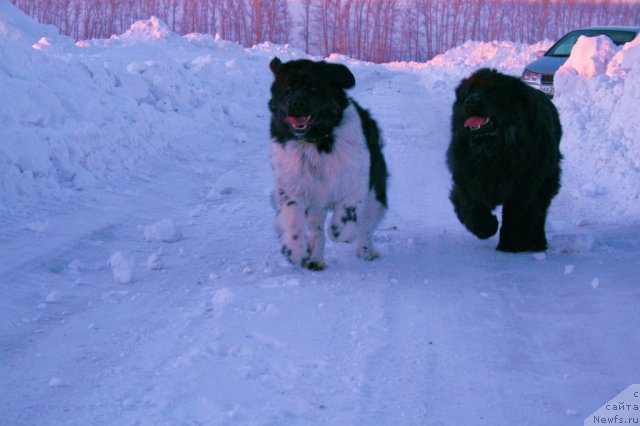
(306, 24)
(374, 30)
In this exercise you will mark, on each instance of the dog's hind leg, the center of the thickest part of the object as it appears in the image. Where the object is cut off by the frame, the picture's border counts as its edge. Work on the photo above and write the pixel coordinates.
(371, 216)
(364, 247)
(344, 222)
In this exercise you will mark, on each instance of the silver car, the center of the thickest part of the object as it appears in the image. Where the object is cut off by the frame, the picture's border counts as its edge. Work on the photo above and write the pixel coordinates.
(539, 73)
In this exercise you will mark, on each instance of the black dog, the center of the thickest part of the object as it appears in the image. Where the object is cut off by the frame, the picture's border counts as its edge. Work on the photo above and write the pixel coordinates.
(327, 156)
(504, 151)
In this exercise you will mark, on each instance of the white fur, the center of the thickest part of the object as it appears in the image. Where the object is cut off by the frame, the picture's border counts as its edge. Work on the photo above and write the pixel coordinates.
(309, 183)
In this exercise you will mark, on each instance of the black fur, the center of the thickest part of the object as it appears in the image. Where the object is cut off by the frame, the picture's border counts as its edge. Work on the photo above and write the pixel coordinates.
(512, 160)
(378, 172)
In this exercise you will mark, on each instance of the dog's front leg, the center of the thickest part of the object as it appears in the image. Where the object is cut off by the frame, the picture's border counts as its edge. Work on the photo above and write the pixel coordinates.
(291, 228)
(478, 219)
(316, 219)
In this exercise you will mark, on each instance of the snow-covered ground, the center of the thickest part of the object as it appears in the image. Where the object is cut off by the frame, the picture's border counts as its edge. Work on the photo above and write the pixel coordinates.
(141, 281)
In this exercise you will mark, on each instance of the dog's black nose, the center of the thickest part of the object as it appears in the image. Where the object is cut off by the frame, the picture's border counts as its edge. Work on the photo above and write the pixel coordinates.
(472, 100)
(298, 105)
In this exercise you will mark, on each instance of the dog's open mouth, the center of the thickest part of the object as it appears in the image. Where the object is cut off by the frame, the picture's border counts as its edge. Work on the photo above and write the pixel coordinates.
(476, 123)
(299, 123)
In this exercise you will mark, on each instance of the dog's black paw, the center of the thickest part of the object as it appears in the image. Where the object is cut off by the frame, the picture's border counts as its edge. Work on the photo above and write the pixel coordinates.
(512, 244)
(314, 266)
(484, 226)
(519, 248)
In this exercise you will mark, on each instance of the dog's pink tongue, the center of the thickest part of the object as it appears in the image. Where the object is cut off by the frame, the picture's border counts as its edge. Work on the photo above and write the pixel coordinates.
(475, 122)
(298, 121)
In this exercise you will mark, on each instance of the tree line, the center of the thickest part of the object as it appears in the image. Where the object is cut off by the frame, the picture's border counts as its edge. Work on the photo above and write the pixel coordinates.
(370, 30)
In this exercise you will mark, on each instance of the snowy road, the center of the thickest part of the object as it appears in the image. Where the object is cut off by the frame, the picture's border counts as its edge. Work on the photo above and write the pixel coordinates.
(442, 330)
(215, 328)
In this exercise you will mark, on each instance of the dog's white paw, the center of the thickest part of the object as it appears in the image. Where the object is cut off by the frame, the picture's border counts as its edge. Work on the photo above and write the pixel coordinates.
(365, 249)
(366, 253)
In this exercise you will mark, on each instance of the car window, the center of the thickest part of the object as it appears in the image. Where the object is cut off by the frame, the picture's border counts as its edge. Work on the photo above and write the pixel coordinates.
(564, 45)
(621, 37)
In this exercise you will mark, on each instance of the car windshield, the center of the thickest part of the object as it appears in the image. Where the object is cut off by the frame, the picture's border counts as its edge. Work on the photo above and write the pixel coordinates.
(563, 47)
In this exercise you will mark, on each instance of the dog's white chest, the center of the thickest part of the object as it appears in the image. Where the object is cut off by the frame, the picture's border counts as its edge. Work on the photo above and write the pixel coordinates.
(325, 178)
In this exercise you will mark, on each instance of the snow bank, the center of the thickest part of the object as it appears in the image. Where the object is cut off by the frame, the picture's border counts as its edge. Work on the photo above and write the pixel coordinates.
(507, 56)
(589, 57)
(102, 112)
(598, 96)
(88, 115)
(19, 27)
(448, 68)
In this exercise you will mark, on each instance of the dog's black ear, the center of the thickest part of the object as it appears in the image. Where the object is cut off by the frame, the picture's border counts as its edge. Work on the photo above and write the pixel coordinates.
(275, 65)
(341, 75)
(461, 90)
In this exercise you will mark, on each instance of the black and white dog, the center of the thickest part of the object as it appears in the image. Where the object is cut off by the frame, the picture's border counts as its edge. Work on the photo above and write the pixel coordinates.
(327, 156)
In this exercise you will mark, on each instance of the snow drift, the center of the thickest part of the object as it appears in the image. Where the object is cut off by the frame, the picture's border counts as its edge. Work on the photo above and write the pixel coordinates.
(81, 116)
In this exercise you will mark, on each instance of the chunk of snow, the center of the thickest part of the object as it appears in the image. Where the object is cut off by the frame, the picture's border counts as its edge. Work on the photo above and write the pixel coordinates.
(164, 231)
(571, 243)
(221, 298)
(123, 267)
(154, 262)
(75, 267)
(38, 227)
(539, 256)
(56, 382)
(52, 297)
(226, 184)
(591, 190)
